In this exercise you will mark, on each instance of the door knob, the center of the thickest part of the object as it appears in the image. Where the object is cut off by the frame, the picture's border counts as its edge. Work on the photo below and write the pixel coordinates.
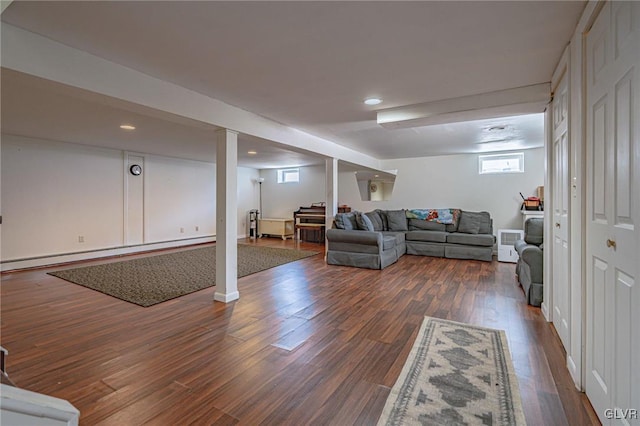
(611, 243)
(557, 225)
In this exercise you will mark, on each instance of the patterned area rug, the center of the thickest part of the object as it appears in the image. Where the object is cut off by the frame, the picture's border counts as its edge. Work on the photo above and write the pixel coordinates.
(150, 280)
(456, 374)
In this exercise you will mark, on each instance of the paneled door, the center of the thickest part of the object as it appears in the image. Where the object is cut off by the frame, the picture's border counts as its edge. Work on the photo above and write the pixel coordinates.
(613, 213)
(560, 182)
(134, 206)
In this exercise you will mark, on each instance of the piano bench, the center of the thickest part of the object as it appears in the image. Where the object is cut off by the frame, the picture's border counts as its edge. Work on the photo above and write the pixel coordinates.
(313, 232)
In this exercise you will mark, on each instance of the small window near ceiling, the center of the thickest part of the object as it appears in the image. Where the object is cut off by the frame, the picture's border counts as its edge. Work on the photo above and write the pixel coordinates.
(289, 175)
(501, 163)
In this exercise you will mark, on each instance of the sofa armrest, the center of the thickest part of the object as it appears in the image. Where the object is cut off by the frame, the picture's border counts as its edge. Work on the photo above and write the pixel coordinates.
(350, 236)
(532, 256)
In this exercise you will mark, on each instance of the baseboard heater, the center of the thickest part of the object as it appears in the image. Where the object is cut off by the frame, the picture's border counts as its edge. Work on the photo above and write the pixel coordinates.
(60, 258)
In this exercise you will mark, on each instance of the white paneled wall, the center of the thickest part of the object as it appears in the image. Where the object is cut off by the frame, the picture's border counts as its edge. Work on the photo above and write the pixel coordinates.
(61, 198)
(54, 193)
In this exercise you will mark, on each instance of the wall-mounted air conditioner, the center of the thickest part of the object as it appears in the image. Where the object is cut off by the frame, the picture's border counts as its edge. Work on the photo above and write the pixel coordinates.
(506, 240)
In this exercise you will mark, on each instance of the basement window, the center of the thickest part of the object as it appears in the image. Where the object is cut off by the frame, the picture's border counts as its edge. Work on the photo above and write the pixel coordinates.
(501, 163)
(289, 175)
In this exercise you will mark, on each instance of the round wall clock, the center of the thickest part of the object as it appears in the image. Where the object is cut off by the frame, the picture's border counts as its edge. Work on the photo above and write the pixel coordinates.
(373, 187)
(135, 169)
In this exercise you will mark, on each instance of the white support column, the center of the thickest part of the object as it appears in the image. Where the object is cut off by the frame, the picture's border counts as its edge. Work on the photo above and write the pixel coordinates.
(226, 216)
(331, 199)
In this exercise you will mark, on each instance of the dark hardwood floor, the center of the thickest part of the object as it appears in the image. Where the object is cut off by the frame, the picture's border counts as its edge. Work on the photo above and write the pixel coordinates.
(306, 343)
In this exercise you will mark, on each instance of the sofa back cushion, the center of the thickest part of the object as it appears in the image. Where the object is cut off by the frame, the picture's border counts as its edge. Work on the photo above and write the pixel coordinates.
(533, 230)
(425, 225)
(475, 223)
(396, 220)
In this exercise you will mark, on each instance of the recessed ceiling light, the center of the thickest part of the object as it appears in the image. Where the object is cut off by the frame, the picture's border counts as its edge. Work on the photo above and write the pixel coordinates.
(372, 101)
(127, 127)
(252, 152)
(376, 175)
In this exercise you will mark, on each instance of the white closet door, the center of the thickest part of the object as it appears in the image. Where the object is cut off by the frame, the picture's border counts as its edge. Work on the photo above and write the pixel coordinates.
(613, 213)
(560, 181)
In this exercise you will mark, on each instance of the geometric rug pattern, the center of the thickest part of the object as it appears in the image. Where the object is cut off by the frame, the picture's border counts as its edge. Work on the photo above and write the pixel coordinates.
(456, 374)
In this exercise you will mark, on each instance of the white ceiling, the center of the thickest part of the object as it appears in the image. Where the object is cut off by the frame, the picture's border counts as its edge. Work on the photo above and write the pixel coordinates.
(39, 108)
(308, 65)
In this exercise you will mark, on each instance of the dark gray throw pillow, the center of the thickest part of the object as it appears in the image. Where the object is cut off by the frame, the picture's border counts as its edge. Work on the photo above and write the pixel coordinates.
(376, 220)
(383, 216)
(469, 223)
(350, 220)
(397, 220)
(364, 222)
(346, 221)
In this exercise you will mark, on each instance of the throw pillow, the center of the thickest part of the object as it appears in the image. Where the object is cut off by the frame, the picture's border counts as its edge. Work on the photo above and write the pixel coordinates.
(376, 220)
(397, 220)
(345, 220)
(486, 226)
(469, 223)
(364, 222)
(385, 221)
(349, 220)
(456, 220)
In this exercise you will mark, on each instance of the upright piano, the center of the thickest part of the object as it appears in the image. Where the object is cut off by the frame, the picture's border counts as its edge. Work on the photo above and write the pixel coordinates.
(310, 222)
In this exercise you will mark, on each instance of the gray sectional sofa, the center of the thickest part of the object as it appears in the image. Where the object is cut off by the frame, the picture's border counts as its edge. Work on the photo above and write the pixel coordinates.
(530, 260)
(377, 239)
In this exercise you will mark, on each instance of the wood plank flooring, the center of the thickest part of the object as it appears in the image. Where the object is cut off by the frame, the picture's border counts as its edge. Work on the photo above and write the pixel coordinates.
(306, 343)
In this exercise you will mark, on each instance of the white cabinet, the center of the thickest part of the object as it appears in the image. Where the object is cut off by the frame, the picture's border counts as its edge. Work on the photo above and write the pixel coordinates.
(279, 227)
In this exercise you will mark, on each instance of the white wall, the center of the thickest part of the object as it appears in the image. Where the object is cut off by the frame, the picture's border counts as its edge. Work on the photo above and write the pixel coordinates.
(54, 192)
(280, 200)
(453, 181)
(178, 195)
(248, 197)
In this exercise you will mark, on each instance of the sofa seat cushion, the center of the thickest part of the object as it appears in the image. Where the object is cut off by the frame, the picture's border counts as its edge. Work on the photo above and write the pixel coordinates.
(399, 236)
(388, 242)
(482, 240)
(427, 236)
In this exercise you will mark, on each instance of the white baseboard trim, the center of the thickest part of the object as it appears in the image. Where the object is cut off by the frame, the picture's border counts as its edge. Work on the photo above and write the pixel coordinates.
(573, 371)
(226, 297)
(545, 311)
(12, 265)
